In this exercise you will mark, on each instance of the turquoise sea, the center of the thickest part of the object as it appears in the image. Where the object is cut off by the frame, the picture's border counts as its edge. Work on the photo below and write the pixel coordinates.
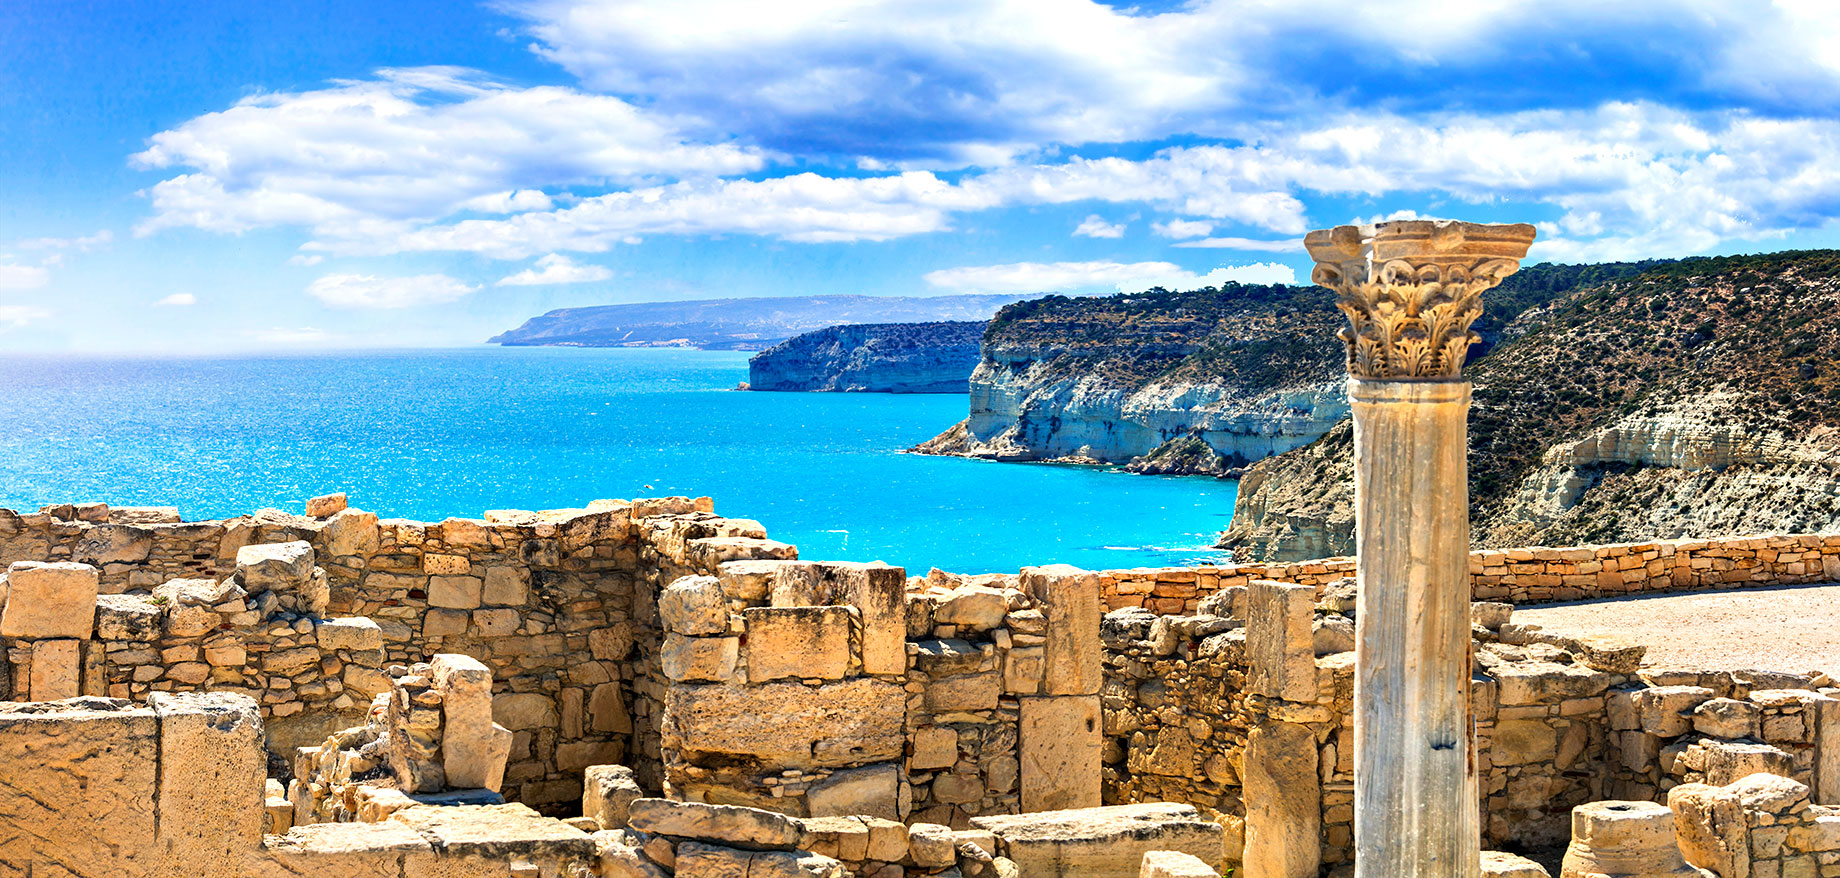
(433, 434)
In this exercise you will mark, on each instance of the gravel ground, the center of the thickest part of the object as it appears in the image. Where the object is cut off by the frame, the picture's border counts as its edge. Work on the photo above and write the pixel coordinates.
(1795, 628)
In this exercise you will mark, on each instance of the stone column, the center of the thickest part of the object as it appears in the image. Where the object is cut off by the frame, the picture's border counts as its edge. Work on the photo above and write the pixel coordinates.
(1410, 291)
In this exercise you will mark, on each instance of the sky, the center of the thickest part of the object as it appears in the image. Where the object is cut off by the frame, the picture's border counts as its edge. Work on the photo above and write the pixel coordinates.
(232, 176)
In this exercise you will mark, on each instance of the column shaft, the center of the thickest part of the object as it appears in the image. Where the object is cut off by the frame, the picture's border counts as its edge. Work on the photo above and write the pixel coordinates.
(1415, 779)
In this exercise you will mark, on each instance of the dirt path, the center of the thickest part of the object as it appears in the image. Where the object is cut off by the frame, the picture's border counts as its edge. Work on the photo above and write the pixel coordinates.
(1794, 628)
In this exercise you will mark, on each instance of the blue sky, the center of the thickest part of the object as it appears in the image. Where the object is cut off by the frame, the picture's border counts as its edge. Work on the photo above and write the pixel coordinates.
(261, 177)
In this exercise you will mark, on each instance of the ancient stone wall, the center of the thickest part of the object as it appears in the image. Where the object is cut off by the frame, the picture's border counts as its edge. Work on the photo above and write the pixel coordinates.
(1528, 575)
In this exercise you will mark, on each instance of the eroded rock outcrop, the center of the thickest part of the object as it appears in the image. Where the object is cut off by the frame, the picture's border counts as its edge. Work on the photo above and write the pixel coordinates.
(872, 358)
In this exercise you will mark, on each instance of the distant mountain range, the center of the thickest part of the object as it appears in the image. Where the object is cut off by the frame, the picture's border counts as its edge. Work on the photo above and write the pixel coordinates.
(738, 324)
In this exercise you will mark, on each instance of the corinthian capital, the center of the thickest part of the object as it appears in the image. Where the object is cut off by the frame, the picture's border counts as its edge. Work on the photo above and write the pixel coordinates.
(1412, 288)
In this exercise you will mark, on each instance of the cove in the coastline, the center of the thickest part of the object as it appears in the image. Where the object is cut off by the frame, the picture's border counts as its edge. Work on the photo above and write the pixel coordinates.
(432, 434)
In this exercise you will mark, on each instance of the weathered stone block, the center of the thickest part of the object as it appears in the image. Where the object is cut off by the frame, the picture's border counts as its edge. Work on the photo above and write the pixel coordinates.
(935, 747)
(976, 607)
(872, 791)
(1283, 793)
(455, 592)
(732, 825)
(49, 600)
(790, 725)
(326, 506)
(1069, 599)
(519, 711)
(701, 659)
(694, 606)
(127, 617)
(507, 586)
(1280, 644)
(1519, 742)
(1174, 864)
(356, 633)
(607, 793)
(1727, 718)
(798, 642)
(57, 668)
(212, 776)
(1060, 740)
(879, 593)
(1496, 864)
(963, 692)
(607, 710)
(83, 776)
(1106, 841)
(279, 567)
(1710, 829)
(1668, 710)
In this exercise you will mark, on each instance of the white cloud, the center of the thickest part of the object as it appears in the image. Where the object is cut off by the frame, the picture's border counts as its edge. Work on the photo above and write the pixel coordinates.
(306, 259)
(23, 277)
(1095, 226)
(17, 316)
(1282, 245)
(413, 145)
(367, 291)
(82, 244)
(296, 335)
(556, 269)
(178, 300)
(1183, 228)
(1040, 277)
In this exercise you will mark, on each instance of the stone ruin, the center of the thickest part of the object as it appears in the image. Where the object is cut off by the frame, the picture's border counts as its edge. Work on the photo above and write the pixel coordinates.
(514, 687)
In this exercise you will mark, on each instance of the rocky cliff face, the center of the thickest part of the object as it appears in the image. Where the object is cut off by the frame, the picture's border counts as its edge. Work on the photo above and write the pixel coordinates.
(875, 357)
(1695, 399)
(1197, 382)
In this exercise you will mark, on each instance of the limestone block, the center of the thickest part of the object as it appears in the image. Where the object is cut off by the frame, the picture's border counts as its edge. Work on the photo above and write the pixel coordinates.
(1827, 753)
(495, 623)
(790, 725)
(608, 791)
(521, 711)
(1709, 827)
(695, 606)
(1023, 667)
(977, 607)
(709, 553)
(1727, 718)
(212, 779)
(963, 692)
(348, 850)
(83, 777)
(731, 825)
(1174, 864)
(1280, 648)
(326, 506)
(1490, 615)
(1496, 864)
(49, 600)
(1541, 682)
(1106, 841)
(57, 667)
(702, 659)
(507, 586)
(696, 860)
(467, 533)
(1332, 634)
(351, 532)
(444, 623)
(579, 755)
(879, 594)
(1610, 653)
(1729, 761)
(356, 633)
(1522, 741)
(1069, 599)
(455, 592)
(931, 845)
(798, 642)
(1060, 740)
(127, 617)
(278, 567)
(1668, 710)
(618, 860)
(437, 564)
(470, 752)
(935, 747)
(113, 544)
(871, 791)
(1770, 792)
(498, 832)
(749, 580)
(944, 658)
(607, 710)
(611, 644)
(1283, 796)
